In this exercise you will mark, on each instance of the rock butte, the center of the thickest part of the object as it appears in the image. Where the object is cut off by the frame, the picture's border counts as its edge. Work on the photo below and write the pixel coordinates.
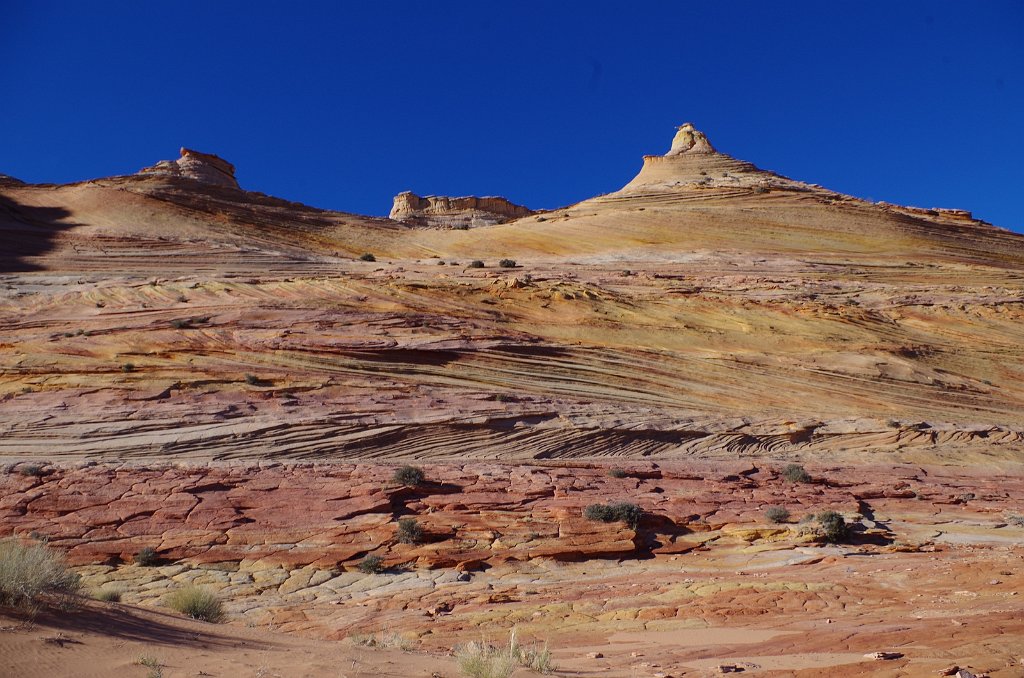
(435, 210)
(170, 338)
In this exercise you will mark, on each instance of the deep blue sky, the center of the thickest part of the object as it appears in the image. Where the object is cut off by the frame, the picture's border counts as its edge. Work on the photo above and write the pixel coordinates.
(344, 104)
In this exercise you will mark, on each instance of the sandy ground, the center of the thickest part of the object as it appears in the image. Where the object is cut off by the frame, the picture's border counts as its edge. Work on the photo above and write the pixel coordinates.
(102, 640)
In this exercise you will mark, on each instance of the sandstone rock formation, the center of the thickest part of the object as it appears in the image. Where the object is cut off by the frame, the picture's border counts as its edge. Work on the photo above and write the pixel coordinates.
(688, 139)
(218, 377)
(202, 167)
(442, 211)
(707, 309)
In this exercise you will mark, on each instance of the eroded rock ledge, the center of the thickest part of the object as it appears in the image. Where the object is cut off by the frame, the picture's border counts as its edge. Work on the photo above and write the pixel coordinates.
(446, 212)
(202, 167)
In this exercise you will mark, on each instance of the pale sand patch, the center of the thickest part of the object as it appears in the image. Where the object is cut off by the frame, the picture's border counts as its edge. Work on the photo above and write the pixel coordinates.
(691, 637)
(784, 662)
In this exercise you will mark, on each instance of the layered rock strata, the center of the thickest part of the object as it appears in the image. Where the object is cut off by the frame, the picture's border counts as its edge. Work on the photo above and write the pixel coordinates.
(446, 212)
(205, 168)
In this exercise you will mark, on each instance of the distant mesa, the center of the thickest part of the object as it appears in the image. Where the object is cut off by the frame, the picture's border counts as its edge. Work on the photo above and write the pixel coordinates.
(10, 181)
(202, 167)
(445, 212)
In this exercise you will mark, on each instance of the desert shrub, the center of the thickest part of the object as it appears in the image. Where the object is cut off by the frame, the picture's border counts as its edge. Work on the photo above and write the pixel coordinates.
(480, 660)
(833, 525)
(776, 514)
(476, 263)
(1014, 519)
(146, 557)
(383, 639)
(128, 367)
(30, 574)
(156, 669)
(367, 257)
(617, 473)
(795, 473)
(182, 299)
(108, 595)
(196, 602)
(31, 469)
(507, 263)
(254, 380)
(483, 660)
(371, 565)
(621, 512)
(181, 323)
(440, 262)
(409, 531)
(410, 476)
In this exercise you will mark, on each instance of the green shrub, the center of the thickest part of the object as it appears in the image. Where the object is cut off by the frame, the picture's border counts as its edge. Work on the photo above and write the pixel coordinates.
(31, 574)
(409, 531)
(776, 514)
(476, 263)
(156, 669)
(128, 367)
(181, 323)
(254, 380)
(507, 263)
(833, 525)
(383, 639)
(410, 476)
(367, 257)
(617, 473)
(196, 602)
(795, 473)
(621, 512)
(483, 660)
(108, 595)
(31, 469)
(146, 557)
(371, 565)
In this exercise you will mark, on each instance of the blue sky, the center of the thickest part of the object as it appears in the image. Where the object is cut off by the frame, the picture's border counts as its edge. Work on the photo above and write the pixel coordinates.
(344, 104)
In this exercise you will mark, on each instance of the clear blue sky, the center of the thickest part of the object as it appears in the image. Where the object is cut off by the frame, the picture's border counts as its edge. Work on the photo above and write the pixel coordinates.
(344, 104)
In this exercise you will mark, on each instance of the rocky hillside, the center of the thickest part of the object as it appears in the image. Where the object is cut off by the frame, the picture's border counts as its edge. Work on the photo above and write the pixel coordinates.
(709, 308)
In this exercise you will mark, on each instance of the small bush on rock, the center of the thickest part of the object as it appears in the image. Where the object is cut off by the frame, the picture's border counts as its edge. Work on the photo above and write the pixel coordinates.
(196, 602)
(795, 473)
(371, 565)
(146, 557)
(108, 595)
(617, 473)
(31, 469)
(476, 263)
(776, 514)
(367, 257)
(410, 476)
(409, 531)
(507, 263)
(621, 512)
(834, 526)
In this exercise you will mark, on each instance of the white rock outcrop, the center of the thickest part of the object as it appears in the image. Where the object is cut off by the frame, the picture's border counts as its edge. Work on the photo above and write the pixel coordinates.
(203, 167)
